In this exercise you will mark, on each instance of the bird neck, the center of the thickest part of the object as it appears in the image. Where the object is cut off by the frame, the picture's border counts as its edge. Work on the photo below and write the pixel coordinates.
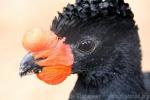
(101, 86)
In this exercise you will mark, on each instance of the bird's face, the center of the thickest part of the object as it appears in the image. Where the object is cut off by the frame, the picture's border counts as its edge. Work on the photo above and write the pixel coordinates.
(53, 58)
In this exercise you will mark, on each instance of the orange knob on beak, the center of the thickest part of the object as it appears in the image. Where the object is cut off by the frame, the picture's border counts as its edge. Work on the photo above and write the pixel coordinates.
(37, 40)
(51, 54)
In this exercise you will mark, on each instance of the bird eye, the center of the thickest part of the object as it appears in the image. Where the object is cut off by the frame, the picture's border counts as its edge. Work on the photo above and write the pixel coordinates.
(86, 46)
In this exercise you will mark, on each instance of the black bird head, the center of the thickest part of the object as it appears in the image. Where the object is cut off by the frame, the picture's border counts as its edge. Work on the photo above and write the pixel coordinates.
(102, 35)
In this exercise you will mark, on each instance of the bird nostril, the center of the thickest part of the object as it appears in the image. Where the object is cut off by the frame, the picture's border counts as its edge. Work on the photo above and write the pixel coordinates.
(41, 58)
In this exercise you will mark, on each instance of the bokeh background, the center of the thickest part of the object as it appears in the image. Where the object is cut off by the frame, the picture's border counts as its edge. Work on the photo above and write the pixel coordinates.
(19, 16)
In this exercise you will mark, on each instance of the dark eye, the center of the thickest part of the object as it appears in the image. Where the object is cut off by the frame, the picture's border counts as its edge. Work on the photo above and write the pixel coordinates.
(86, 45)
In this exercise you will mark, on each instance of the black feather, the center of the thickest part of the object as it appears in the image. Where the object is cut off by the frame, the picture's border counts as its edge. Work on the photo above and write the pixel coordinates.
(84, 10)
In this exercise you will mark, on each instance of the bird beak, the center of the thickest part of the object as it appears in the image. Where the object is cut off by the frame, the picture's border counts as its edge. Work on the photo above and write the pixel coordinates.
(28, 66)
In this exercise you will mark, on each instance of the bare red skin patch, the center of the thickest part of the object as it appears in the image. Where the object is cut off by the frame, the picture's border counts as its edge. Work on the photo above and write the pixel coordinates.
(58, 56)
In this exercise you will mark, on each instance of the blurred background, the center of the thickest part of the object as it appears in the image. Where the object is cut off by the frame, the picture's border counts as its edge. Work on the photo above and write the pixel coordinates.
(19, 16)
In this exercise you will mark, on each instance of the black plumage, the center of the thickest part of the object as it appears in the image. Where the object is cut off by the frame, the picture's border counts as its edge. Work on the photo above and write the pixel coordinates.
(106, 48)
(84, 10)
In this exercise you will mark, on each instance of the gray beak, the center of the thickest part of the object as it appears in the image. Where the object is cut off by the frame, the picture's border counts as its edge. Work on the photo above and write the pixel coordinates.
(28, 66)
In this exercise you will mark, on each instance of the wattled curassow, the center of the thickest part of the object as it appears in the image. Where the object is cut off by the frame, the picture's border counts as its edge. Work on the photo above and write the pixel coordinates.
(99, 41)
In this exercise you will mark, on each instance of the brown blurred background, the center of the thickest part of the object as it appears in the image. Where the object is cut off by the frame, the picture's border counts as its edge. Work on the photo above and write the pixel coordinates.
(18, 16)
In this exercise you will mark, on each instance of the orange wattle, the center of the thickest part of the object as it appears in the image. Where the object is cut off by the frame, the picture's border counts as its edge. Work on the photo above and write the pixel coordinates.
(54, 75)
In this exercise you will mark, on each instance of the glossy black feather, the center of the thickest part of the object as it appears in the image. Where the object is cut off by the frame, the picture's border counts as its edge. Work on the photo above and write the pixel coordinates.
(85, 10)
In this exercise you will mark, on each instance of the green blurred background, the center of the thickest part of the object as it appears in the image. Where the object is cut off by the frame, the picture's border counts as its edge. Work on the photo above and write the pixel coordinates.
(19, 16)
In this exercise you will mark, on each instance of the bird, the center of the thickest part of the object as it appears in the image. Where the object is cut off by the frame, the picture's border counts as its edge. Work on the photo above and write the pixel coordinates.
(99, 41)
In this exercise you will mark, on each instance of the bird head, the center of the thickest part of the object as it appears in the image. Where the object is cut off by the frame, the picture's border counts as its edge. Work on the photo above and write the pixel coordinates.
(89, 37)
